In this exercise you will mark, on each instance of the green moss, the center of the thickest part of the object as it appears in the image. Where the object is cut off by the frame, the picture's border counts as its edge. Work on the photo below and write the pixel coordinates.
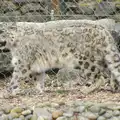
(117, 0)
(61, 91)
(102, 0)
(99, 1)
(83, 4)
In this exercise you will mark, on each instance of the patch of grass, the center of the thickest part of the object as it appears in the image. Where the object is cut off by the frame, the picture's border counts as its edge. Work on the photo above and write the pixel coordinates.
(117, 0)
(102, 0)
(99, 1)
(61, 91)
(83, 4)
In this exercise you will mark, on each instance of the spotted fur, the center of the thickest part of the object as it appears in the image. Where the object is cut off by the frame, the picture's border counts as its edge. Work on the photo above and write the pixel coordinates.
(87, 46)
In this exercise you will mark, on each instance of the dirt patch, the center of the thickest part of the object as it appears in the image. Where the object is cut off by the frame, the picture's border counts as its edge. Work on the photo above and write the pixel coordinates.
(55, 96)
(59, 96)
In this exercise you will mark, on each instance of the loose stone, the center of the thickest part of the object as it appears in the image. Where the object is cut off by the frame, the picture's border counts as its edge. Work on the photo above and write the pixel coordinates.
(108, 114)
(94, 109)
(43, 118)
(42, 112)
(1, 113)
(116, 112)
(17, 119)
(4, 117)
(62, 118)
(7, 110)
(90, 115)
(34, 117)
(113, 118)
(82, 118)
(61, 103)
(54, 105)
(28, 117)
(13, 115)
(22, 117)
(26, 112)
(17, 110)
(102, 111)
(81, 109)
(57, 114)
(68, 114)
(101, 118)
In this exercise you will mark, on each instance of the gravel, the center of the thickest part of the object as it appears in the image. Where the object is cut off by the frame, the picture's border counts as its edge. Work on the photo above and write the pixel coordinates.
(74, 110)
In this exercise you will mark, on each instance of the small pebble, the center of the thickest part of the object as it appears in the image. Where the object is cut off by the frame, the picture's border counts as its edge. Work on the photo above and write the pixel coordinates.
(13, 115)
(108, 114)
(22, 117)
(57, 114)
(82, 118)
(53, 111)
(90, 115)
(114, 118)
(62, 118)
(80, 109)
(68, 114)
(34, 117)
(101, 118)
(42, 112)
(54, 105)
(4, 117)
(17, 110)
(102, 111)
(116, 112)
(94, 109)
(26, 112)
(28, 117)
(1, 113)
(7, 110)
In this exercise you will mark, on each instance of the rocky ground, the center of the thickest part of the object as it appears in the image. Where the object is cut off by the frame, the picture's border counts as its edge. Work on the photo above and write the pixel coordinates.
(61, 105)
(77, 110)
(58, 104)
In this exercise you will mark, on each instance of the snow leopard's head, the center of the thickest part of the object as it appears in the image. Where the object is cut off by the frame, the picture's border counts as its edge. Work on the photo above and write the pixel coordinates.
(8, 34)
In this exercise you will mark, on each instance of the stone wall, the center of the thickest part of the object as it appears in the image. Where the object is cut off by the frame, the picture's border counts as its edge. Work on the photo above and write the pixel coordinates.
(39, 10)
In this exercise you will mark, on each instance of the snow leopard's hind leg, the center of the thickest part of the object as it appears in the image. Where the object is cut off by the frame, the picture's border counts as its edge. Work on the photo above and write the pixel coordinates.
(91, 70)
(112, 59)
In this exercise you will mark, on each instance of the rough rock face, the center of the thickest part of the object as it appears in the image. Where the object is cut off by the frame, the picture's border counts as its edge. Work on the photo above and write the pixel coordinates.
(5, 55)
(40, 10)
(25, 10)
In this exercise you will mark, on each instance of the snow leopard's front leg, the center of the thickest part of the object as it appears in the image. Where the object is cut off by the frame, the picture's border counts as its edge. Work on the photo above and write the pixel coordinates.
(14, 87)
(21, 78)
(40, 81)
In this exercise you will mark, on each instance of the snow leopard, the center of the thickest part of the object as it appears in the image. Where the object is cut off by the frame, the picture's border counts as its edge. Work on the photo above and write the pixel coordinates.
(24, 27)
(88, 47)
